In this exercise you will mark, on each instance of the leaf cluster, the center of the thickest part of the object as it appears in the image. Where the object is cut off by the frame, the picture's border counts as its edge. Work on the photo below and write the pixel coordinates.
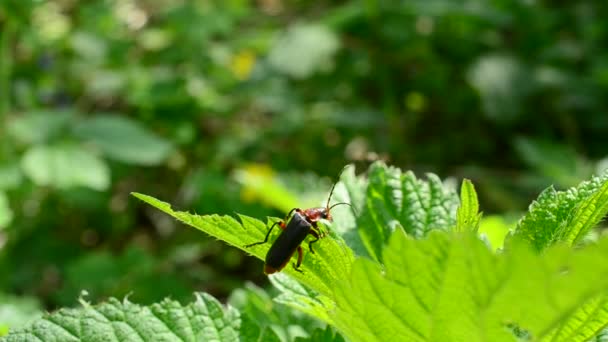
(408, 266)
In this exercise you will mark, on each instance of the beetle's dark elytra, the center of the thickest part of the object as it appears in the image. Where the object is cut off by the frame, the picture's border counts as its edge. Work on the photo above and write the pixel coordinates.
(287, 243)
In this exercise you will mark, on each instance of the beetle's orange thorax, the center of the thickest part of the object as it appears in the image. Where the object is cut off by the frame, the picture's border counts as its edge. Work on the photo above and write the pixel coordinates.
(316, 214)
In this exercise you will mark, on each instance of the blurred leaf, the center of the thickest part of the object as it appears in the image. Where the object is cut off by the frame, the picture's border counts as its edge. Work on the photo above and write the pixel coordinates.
(601, 337)
(38, 127)
(558, 162)
(123, 139)
(468, 215)
(65, 166)
(6, 214)
(322, 335)
(502, 82)
(564, 215)
(205, 319)
(17, 311)
(321, 270)
(261, 182)
(10, 176)
(583, 323)
(104, 83)
(494, 229)
(91, 48)
(303, 50)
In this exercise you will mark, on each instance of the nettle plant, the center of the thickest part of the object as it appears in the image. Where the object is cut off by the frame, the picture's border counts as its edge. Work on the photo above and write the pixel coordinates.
(409, 266)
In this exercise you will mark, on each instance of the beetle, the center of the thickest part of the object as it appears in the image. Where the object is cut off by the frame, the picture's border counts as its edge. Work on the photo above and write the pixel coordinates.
(302, 222)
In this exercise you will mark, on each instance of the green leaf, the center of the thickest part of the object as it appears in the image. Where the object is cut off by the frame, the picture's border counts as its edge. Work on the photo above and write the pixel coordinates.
(294, 295)
(303, 50)
(65, 166)
(467, 215)
(563, 215)
(124, 140)
(451, 287)
(330, 263)
(6, 213)
(601, 337)
(322, 335)
(502, 82)
(586, 215)
(38, 127)
(205, 319)
(584, 323)
(10, 176)
(558, 162)
(261, 182)
(397, 200)
(269, 319)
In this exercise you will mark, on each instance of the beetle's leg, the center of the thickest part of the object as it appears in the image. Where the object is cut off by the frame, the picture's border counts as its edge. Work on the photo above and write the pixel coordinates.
(300, 256)
(280, 223)
(291, 212)
(316, 235)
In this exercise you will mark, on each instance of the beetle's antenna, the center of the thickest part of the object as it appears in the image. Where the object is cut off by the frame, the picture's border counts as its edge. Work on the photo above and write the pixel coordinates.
(348, 204)
(330, 193)
(333, 187)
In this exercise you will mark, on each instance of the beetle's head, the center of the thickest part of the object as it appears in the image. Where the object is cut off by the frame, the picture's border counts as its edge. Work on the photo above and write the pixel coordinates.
(325, 214)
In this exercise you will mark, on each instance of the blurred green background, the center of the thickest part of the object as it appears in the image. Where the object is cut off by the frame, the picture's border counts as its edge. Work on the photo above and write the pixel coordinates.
(254, 107)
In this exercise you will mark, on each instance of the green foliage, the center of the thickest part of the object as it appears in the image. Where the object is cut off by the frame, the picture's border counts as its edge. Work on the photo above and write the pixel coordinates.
(17, 311)
(440, 282)
(204, 319)
(452, 288)
(396, 200)
(564, 215)
(494, 229)
(176, 98)
(331, 260)
(122, 139)
(6, 214)
(467, 215)
(559, 163)
(65, 166)
(445, 284)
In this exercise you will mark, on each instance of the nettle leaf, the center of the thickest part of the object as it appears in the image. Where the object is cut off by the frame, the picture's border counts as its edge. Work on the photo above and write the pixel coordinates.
(397, 200)
(467, 215)
(294, 295)
(320, 335)
(269, 318)
(330, 263)
(601, 337)
(451, 287)
(564, 215)
(584, 323)
(205, 319)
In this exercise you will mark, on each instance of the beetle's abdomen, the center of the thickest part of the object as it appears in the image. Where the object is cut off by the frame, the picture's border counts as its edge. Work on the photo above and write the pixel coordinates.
(286, 244)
